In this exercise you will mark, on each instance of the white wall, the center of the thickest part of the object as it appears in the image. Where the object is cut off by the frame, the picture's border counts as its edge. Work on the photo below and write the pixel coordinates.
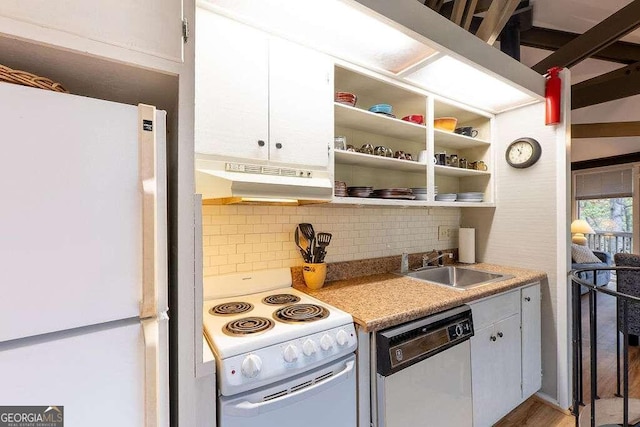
(248, 238)
(524, 229)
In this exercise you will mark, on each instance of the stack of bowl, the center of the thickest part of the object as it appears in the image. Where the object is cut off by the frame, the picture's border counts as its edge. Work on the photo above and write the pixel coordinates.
(447, 124)
(420, 193)
(446, 197)
(346, 98)
(360, 191)
(472, 196)
(414, 118)
(384, 109)
(340, 188)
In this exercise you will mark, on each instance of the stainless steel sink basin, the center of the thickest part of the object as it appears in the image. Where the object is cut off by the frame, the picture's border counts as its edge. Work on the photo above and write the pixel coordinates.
(457, 277)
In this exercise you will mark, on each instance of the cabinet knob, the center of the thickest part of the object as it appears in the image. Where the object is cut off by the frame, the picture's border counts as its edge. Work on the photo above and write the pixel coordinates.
(527, 299)
(492, 338)
(500, 334)
(261, 143)
(278, 145)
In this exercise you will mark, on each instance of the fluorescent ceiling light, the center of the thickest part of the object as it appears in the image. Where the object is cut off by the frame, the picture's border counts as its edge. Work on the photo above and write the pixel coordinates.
(344, 30)
(454, 79)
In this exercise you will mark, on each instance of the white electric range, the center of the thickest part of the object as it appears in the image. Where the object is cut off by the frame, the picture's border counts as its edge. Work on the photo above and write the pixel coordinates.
(282, 356)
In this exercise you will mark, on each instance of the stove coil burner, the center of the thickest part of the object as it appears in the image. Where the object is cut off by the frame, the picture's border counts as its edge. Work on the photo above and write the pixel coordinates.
(301, 313)
(247, 326)
(229, 308)
(280, 299)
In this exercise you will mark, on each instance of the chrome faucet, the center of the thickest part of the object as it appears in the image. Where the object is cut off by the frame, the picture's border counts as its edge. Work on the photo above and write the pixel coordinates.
(427, 260)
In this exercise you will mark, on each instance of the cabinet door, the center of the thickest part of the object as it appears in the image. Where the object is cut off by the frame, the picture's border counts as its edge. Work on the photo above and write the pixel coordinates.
(531, 341)
(232, 88)
(495, 371)
(483, 380)
(508, 375)
(300, 104)
(153, 27)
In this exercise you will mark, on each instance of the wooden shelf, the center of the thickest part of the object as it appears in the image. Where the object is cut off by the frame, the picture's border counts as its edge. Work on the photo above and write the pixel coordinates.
(361, 201)
(464, 204)
(453, 140)
(356, 118)
(451, 171)
(368, 160)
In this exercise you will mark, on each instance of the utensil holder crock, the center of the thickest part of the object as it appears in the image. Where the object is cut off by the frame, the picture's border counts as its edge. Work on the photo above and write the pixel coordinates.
(314, 274)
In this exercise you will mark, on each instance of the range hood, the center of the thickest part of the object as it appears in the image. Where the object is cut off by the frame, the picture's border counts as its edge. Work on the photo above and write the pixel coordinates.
(228, 182)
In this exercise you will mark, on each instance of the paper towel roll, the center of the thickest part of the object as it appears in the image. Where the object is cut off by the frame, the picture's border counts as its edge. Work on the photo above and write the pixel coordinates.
(467, 245)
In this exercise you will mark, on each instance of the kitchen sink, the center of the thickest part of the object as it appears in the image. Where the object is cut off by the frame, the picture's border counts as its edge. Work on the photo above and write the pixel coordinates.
(457, 277)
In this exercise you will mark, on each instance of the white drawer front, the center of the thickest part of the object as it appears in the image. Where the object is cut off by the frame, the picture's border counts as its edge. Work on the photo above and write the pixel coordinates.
(494, 309)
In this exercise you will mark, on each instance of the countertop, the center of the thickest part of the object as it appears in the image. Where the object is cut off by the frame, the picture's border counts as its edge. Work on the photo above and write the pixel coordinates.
(383, 300)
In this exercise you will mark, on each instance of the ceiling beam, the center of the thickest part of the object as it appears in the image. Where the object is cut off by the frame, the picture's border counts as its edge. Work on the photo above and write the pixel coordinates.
(548, 39)
(496, 18)
(458, 11)
(481, 6)
(605, 130)
(597, 38)
(468, 18)
(617, 84)
(434, 4)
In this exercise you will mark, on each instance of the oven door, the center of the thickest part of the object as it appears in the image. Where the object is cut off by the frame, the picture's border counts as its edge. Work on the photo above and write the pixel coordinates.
(323, 397)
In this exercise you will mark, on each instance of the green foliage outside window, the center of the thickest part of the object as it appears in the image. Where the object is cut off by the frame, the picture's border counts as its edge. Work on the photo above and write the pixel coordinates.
(612, 215)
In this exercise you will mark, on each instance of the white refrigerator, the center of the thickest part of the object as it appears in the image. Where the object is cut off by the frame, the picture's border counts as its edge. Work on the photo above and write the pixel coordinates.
(83, 258)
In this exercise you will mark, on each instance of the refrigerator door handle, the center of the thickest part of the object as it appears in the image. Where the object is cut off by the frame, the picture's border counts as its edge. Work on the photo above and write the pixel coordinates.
(150, 331)
(148, 176)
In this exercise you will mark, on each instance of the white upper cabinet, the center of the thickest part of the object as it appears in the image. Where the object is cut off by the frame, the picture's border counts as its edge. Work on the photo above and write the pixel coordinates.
(300, 104)
(232, 88)
(152, 27)
(259, 97)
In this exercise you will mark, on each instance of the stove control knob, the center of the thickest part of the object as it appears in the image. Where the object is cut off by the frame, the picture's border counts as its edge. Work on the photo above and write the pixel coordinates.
(342, 337)
(251, 366)
(290, 353)
(326, 342)
(309, 347)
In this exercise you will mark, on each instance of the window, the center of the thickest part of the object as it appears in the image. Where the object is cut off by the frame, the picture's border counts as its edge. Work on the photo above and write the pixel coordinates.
(605, 200)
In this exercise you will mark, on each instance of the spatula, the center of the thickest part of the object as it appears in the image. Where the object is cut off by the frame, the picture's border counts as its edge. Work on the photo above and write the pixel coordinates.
(309, 233)
(302, 251)
(323, 240)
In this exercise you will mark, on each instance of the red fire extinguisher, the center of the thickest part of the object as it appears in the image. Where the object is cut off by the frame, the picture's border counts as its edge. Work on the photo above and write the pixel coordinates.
(552, 93)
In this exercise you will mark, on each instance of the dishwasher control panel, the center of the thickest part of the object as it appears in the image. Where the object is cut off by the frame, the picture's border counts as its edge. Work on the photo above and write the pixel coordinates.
(409, 343)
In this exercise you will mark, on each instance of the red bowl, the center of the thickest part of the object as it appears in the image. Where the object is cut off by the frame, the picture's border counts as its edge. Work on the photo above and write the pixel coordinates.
(346, 98)
(414, 118)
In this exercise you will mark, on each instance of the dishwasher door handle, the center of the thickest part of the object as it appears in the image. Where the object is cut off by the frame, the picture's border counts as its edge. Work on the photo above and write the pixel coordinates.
(250, 409)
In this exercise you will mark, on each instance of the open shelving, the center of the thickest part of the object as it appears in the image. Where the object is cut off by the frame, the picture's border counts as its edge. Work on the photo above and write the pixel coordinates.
(360, 126)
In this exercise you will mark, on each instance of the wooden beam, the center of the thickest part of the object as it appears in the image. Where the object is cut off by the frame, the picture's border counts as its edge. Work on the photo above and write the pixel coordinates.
(617, 84)
(606, 161)
(597, 38)
(458, 11)
(481, 6)
(497, 16)
(605, 130)
(548, 39)
(471, 10)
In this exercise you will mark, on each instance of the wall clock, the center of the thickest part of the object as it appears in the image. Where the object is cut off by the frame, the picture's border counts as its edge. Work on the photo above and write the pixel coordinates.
(523, 152)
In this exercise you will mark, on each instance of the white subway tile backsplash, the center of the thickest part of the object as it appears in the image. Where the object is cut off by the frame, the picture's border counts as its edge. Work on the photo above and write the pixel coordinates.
(248, 238)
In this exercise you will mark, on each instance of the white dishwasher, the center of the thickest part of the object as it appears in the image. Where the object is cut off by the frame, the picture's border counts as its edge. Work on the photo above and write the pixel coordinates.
(423, 373)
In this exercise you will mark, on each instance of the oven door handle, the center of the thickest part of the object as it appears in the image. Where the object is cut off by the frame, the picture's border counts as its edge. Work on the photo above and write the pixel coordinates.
(250, 409)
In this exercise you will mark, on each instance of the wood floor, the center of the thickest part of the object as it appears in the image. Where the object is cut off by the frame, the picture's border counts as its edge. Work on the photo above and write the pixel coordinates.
(535, 412)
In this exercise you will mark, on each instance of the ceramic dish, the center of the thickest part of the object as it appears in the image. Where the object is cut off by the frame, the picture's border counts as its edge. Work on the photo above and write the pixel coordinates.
(381, 108)
(447, 124)
(414, 118)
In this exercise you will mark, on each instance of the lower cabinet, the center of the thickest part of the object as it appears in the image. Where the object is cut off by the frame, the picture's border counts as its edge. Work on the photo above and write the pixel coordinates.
(505, 353)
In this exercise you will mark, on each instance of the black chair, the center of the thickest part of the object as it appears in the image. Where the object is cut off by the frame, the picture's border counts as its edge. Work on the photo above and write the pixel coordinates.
(628, 283)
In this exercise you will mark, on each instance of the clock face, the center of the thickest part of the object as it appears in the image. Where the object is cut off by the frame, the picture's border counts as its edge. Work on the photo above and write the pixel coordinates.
(523, 152)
